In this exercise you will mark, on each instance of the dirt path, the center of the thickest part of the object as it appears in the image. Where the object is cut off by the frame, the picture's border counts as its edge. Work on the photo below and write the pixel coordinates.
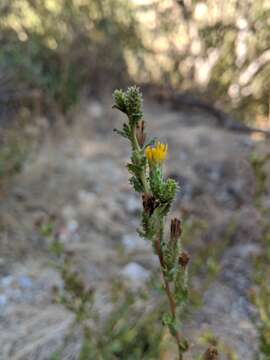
(78, 176)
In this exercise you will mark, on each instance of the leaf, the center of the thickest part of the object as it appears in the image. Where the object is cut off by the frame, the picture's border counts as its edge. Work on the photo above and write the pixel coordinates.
(167, 319)
(125, 132)
(120, 100)
(137, 184)
(120, 132)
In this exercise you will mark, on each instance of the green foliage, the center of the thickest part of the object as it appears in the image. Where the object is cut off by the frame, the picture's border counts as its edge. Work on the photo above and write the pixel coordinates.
(75, 296)
(12, 156)
(261, 298)
(151, 224)
(181, 286)
(134, 104)
(223, 55)
(62, 46)
(130, 103)
(165, 191)
(14, 149)
(258, 163)
(171, 250)
(157, 198)
(120, 100)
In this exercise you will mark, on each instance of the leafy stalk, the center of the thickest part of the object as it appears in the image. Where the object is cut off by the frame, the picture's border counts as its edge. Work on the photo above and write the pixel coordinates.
(157, 197)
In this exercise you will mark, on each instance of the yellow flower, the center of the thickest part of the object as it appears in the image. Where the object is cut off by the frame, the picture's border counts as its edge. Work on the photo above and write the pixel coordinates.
(156, 155)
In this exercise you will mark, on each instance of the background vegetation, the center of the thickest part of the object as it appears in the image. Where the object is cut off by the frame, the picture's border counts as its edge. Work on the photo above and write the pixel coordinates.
(54, 53)
(55, 50)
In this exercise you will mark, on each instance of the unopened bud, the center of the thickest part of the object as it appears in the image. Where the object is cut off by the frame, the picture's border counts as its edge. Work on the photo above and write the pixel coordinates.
(176, 229)
(211, 354)
(184, 259)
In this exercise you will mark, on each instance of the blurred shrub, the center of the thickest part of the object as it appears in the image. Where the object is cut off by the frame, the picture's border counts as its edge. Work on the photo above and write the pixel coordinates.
(14, 147)
(59, 46)
(260, 294)
(219, 50)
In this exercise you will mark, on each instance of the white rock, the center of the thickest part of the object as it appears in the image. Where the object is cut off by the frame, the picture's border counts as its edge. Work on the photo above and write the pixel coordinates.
(95, 109)
(135, 273)
(69, 212)
(72, 226)
(87, 197)
(133, 242)
(7, 280)
(3, 300)
(133, 204)
(25, 282)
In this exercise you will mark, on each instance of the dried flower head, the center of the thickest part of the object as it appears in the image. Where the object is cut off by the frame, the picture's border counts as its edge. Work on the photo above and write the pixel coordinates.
(156, 155)
(176, 229)
(141, 136)
(184, 259)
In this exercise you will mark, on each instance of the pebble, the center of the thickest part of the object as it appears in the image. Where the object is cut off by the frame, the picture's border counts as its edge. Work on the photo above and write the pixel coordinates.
(3, 300)
(87, 198)
(7, 281)
(95, 109)
(133, 205)
(133, 242)
(72, 226)
(135, 273)
(25, 282)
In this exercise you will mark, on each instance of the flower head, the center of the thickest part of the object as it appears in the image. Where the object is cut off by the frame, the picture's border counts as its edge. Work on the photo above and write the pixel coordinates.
(157, 154)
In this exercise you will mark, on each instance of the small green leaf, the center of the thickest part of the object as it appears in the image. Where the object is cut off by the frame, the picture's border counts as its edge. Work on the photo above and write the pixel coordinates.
(167, 319)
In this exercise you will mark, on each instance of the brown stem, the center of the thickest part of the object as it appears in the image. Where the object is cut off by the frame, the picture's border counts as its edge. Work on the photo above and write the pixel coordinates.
(169, 294)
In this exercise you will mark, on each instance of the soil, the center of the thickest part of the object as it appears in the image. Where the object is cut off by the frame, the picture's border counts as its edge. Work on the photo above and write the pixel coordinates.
(77, 177)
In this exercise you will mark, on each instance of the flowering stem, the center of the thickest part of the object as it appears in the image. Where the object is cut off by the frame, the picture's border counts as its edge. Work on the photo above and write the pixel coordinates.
(159, 251)
(158, 194)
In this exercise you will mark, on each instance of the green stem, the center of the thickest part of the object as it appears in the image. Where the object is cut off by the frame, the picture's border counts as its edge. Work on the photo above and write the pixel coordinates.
(168, 291)
(137, 147)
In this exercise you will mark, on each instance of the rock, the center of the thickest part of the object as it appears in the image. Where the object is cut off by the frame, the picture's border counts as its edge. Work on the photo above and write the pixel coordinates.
(3, 300)
(135, 273)
(95, 109)
(69, 212)
(87, 198)
(69, 232)
(25, 282)
(133, 242)
(72, 226)
(133, 205)
(228, 311)
(6, 281)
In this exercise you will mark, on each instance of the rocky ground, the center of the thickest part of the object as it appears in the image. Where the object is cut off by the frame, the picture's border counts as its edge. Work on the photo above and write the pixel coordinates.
(77, 177)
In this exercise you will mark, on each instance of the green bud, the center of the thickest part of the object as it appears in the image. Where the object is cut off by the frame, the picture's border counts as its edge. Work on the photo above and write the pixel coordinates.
(120, 100)
(134, 104)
